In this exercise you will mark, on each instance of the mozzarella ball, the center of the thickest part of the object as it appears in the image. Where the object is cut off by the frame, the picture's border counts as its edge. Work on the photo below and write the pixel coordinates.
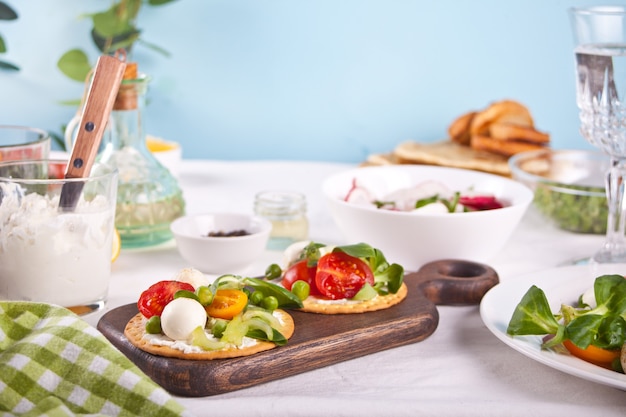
(292, 252)
(192, 276)
(181, 316)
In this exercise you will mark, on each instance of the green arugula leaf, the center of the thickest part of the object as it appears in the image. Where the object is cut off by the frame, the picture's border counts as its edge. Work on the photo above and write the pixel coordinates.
(532, 316)
(277, 337)
(583, 329)
(426, 201)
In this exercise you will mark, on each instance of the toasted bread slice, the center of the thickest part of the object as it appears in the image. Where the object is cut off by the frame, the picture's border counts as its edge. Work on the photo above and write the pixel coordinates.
(506, 148)
(505, 111)
(459, 130)
(508, 131)
(451, 154)
(380, 159)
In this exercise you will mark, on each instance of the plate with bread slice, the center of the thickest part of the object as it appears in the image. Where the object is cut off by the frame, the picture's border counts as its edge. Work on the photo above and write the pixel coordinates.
(481, 140)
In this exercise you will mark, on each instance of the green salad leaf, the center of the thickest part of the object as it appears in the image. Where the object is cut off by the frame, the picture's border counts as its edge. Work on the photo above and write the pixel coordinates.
(603, 326)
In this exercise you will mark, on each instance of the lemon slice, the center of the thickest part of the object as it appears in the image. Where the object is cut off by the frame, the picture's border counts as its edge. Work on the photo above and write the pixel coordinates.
(159, 145)
(117, 245)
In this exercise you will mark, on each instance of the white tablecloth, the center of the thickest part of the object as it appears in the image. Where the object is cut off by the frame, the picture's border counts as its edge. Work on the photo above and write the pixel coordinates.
(460, 370)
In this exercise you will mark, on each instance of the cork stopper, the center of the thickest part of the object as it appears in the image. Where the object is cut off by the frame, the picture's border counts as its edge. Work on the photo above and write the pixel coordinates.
(127, 96)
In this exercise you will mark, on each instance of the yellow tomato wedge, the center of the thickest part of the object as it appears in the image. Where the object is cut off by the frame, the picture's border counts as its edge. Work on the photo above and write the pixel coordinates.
(117, 245)
(593, 354)
(227, 304)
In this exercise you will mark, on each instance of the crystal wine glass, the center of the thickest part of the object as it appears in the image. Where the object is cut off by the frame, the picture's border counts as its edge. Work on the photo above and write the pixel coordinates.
(600, 50)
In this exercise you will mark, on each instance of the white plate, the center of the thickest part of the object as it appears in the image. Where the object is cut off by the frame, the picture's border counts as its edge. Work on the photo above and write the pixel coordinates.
(561, 285)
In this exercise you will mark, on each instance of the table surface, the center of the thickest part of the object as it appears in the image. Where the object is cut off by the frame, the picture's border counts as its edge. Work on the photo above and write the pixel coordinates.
(462, 369)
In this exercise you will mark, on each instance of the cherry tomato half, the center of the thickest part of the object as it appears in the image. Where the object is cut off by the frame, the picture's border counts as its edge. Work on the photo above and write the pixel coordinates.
(593, 354)
(301, 272)
(340, 275)
(153, 300)
(227, 304)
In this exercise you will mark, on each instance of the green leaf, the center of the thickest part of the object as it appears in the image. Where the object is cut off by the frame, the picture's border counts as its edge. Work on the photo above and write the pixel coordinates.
(426, 201)
(6, 12)
(583, 329)
(532, 316)
(393, 276)
(359, 250)
(451, 204)
(159, 2)
(8, 66)
(109, 23)
(611, 333)
(108, 45)
(3, 46)
(58, 139)
(75, 65)
(277, 337)
(610, 291)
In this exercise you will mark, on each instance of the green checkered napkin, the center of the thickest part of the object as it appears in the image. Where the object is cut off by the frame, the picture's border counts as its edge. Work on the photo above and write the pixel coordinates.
(52, 363)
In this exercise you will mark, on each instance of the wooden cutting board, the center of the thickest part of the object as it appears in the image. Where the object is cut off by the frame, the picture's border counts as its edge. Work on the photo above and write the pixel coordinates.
(319, 340)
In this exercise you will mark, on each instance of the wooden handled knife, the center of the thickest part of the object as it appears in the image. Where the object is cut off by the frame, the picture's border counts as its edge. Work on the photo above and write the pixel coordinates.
(100, 98)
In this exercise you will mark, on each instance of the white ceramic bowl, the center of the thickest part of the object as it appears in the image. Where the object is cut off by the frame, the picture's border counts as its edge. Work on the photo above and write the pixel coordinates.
(224, 254)
(413, 239)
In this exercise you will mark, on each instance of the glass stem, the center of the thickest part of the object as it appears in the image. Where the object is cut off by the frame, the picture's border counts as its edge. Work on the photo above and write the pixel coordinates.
(614, 249)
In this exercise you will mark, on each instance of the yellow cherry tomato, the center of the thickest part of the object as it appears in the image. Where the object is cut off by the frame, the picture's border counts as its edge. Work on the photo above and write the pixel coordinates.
(227, 304)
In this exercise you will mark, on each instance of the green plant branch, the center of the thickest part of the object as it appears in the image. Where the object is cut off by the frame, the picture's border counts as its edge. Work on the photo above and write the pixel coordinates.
(6, 13)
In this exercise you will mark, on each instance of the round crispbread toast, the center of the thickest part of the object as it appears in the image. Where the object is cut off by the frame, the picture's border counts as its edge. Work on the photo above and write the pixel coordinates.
(451, 154)
(135, 332)
(380, 302)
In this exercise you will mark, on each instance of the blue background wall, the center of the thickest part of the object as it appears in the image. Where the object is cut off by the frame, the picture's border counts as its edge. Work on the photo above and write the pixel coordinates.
(330, 80)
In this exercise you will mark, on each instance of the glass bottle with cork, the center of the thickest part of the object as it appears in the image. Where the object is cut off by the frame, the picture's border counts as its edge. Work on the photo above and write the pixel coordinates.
(148, 197)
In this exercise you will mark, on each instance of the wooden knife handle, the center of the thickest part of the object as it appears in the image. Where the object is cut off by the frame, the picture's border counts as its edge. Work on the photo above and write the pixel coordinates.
(100, 98)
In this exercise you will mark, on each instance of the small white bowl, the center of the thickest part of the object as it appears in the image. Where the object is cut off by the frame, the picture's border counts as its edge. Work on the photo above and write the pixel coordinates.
(413, 239)
(223, 254)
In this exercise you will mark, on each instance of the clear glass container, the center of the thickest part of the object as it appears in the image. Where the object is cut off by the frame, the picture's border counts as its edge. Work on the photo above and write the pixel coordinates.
(148, 196)
(287, 213)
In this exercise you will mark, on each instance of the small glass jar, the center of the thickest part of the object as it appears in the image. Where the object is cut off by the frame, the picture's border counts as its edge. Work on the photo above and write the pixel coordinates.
(287, 212)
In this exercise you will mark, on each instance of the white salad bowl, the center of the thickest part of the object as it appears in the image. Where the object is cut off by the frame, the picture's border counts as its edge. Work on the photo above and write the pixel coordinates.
(221, 254)
(411, 238)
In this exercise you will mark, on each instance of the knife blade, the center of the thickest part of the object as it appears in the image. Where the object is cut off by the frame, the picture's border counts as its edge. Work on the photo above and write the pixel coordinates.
(105, 84)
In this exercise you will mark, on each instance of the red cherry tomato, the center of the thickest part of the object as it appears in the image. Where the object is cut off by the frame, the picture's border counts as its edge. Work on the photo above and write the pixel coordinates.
(340, 275)
(153, 300)
(301, 272)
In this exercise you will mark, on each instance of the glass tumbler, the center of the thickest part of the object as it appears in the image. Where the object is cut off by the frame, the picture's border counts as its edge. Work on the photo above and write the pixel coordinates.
(50, 255)
(21, 142)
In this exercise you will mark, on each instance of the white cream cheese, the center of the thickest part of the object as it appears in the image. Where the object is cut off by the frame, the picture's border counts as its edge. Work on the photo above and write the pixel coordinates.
(186, 347)
(47, 256)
